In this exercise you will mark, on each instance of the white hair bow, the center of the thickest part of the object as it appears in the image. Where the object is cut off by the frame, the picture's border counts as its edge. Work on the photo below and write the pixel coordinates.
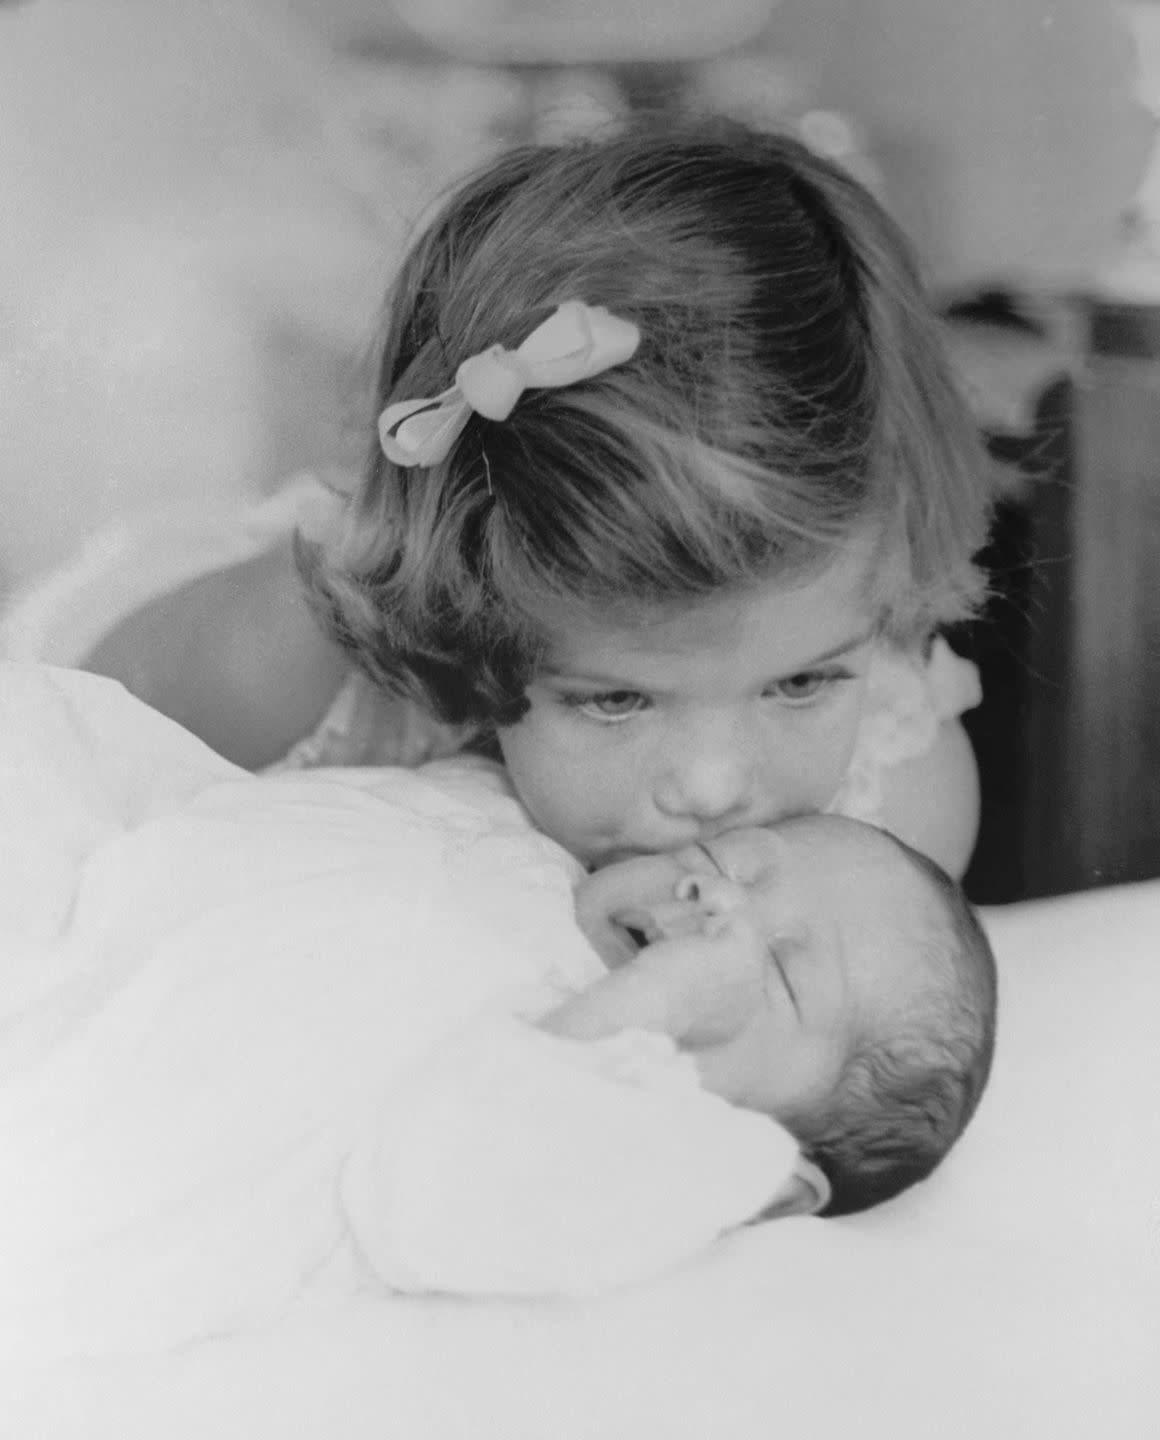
(574, 343)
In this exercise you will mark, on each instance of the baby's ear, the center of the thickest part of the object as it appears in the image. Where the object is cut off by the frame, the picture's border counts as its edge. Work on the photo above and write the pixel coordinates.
(805, 1192)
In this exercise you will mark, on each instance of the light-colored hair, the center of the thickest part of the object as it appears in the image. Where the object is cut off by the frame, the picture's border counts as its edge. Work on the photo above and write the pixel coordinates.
(789, 395)
(906, 1092)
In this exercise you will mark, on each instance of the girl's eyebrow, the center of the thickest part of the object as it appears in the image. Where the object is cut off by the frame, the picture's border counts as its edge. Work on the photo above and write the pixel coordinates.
(594, 678)
(557, 671)
(843, 647)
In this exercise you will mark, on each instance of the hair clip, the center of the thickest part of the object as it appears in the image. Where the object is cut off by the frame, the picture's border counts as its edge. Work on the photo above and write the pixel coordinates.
(574, 343)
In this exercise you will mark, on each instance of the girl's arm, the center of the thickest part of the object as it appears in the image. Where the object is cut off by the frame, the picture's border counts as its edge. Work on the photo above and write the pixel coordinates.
(234, 656)
(932, 801)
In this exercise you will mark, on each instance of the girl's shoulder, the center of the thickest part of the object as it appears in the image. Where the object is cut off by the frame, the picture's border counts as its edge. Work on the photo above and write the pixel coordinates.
(910, 693)
(911, 696)
(196, 609)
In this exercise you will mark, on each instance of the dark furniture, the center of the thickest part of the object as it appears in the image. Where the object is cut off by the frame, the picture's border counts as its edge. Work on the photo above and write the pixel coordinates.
(1068, 737)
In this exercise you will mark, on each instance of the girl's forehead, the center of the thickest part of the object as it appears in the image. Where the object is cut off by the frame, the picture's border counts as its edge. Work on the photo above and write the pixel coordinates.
(780, 627)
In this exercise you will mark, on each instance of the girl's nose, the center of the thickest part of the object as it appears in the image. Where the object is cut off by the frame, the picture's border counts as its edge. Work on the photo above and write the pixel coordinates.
(708, 775)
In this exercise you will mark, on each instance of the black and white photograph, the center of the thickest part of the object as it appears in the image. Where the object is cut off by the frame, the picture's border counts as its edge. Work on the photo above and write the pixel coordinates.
(579, 719)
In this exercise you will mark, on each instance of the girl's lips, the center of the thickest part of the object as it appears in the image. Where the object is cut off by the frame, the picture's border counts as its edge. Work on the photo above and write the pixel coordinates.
(688, 846)
(618, 856)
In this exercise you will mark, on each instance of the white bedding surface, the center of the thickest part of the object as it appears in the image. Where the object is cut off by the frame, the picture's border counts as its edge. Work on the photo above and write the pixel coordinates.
(1016, 1293)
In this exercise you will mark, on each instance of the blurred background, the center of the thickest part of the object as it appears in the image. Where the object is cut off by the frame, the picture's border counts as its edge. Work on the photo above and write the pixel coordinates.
(203, 201)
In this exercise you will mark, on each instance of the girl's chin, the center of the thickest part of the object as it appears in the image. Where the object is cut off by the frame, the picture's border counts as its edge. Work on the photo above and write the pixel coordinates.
(599, 858)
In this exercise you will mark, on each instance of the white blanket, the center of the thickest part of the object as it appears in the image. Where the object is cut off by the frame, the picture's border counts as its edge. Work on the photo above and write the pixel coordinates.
(262, 1038)
(1016, 1293)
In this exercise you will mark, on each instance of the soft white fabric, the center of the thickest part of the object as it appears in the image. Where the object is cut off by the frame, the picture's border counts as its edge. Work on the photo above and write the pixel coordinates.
(1017, 1293)
(260, 1036)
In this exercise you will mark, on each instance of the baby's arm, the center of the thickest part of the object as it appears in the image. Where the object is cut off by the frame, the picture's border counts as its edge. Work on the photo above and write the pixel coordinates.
(932, 800)
(702, 982)
(701, 991)
(583, 1149)
(517, 1162)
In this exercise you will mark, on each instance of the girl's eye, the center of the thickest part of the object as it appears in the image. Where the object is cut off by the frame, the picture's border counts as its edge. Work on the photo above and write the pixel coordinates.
(808, 685)
(609, 706)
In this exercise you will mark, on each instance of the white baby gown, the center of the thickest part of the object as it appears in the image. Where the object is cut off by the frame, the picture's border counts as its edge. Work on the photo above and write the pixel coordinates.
(264, 1038)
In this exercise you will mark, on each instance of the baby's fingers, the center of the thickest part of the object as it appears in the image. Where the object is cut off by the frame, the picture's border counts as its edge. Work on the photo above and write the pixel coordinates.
(630, 998)
(699, 990)
(667, 920)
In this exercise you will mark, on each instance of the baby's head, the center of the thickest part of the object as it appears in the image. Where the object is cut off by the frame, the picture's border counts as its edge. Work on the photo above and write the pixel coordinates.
(867, 987)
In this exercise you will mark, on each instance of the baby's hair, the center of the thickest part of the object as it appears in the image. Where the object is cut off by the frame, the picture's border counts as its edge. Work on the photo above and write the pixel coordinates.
(789, 396)
(904, 1098)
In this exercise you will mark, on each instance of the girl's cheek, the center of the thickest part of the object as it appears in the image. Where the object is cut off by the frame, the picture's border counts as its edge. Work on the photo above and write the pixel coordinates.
(840, 731)
(808, 761)
(564, 791)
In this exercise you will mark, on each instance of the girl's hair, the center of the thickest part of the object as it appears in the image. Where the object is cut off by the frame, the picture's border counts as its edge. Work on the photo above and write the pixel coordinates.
(789, 395)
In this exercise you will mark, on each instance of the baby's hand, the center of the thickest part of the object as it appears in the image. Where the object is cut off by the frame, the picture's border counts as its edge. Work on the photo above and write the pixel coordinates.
(701, 980)
(614, 900)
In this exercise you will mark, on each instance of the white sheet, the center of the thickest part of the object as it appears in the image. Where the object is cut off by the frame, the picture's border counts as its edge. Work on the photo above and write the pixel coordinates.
(1016, 1293)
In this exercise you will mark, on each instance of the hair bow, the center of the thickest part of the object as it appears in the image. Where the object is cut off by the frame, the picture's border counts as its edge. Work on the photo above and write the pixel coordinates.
(574, 343)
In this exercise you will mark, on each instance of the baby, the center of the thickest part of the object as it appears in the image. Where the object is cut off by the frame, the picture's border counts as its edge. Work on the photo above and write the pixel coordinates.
(832, 946)
(295, 1033)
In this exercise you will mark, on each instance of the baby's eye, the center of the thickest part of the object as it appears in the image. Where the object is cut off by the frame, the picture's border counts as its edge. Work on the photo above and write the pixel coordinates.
(608, 706)
(807, 685)
(779, 966)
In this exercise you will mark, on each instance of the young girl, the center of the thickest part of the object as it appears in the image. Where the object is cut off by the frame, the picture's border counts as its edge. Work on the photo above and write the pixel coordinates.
(683, 569)
(671, 495)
